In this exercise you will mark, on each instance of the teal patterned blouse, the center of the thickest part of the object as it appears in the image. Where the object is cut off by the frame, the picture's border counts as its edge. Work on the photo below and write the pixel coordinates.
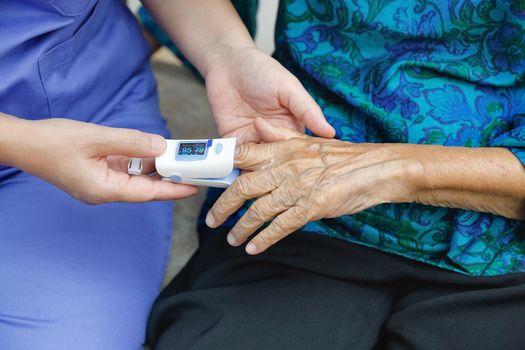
(422, 72)
(445, 72)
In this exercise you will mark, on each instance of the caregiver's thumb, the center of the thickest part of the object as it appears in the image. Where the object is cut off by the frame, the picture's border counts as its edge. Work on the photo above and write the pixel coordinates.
(295, 97)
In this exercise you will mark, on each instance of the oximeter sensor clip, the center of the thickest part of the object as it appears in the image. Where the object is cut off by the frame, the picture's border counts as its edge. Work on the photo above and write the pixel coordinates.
(205, 162)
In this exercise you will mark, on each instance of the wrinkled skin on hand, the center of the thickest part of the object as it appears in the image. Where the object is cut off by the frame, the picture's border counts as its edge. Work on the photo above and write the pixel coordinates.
(297, 179)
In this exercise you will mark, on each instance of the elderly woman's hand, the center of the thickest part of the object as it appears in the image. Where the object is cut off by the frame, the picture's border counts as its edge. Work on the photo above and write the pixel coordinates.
(298, 179)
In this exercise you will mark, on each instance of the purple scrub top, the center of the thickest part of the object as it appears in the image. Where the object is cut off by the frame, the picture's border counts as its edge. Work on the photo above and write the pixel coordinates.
(74, 276)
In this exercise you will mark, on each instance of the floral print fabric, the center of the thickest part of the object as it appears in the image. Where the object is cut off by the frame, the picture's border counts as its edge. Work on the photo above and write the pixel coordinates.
(424, 72)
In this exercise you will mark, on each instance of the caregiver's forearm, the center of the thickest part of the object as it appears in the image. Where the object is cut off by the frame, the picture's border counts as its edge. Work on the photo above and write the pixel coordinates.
(11, 134)
(481, 179)
(204, 30)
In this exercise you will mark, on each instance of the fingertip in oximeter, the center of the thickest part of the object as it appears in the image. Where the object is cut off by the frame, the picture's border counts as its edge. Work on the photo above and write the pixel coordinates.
(207, 162)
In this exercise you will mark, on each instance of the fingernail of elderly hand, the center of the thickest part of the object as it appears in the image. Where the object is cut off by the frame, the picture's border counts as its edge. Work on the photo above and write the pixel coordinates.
(158, 144)
(251, 249)
(231, 239)
(210, 219)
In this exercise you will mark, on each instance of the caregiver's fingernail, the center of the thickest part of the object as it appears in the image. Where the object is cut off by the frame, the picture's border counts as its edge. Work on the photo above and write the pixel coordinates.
(158, 144)
(251, 249)
(210, 219)
(231, 239)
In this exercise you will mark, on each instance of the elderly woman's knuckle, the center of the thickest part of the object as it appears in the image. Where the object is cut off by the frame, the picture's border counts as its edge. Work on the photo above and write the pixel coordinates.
(296, 143)
(243, 183)
(243, 152)
(275, 175)
(239, 153)
(235, 189)
(279, 227)
(295, 168)
(284, 199)
(279, 201)
(315, 147)
(256, 214)
(302, 213)
(284, 173)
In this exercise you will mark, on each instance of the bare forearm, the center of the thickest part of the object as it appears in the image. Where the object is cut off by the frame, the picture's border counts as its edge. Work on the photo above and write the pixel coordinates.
(11, 134)
(481, 179)
(202, 29)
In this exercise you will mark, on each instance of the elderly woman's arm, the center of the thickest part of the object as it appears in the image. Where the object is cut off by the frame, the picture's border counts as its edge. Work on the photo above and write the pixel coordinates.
(483, 179)
(304, 179)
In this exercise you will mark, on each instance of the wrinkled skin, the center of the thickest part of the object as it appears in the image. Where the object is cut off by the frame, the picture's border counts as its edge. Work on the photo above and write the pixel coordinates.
(298, 179)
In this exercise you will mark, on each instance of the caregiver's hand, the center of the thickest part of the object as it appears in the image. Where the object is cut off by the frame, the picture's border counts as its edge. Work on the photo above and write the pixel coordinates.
(303, 179)
(245, 83)
(86, 160)
(242, 82)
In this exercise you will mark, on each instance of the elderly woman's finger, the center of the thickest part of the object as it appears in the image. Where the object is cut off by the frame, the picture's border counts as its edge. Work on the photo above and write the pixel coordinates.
(252, 156)
(247, 186)
(288, 222)
(261, 211)
(260, 156)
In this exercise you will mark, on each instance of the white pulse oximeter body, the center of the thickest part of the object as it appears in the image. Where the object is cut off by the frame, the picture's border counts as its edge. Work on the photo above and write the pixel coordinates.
(207, 162)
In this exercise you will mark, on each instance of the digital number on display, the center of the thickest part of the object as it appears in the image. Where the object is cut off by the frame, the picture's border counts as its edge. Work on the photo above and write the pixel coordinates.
(192, 149)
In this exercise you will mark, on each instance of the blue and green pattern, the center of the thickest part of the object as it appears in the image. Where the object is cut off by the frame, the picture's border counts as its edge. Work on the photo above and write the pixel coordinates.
(423, 72)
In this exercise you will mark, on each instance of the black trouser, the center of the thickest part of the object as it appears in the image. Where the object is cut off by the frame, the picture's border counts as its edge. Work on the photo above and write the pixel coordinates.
(314, 292)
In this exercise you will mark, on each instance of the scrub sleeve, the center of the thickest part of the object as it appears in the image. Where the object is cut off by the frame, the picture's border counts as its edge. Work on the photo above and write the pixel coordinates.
(74, 276)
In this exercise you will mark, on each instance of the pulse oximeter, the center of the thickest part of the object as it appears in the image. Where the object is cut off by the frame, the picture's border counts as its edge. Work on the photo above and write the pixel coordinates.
(207, 162)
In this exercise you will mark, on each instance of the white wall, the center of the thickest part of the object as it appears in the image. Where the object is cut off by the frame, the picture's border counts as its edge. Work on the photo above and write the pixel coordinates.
(133, 5)
(266, 25)
(265, 22)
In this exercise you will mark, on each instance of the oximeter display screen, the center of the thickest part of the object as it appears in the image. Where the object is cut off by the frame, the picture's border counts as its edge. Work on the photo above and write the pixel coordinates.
(192, 148)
